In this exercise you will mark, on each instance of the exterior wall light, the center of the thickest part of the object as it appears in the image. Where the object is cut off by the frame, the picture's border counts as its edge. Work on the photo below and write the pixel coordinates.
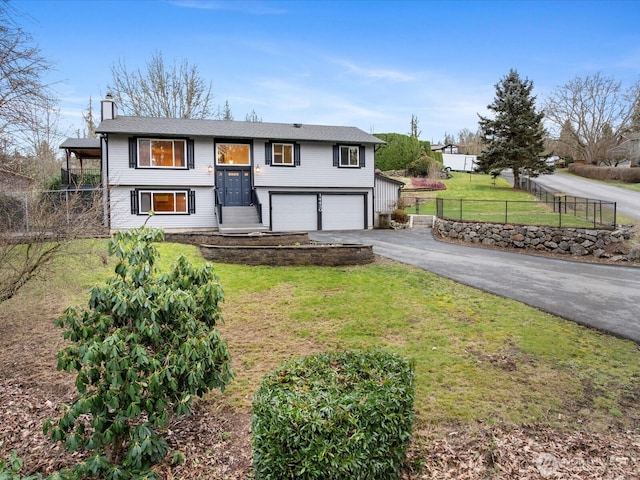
(258, 170)
(210, 168)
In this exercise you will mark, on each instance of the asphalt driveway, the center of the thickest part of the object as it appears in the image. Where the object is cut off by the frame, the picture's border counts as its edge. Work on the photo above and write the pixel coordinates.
(604, 297)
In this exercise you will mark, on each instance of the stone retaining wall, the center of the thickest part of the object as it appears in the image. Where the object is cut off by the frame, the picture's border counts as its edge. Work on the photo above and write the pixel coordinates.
(239, 239)
(570, 241)
(321, 255)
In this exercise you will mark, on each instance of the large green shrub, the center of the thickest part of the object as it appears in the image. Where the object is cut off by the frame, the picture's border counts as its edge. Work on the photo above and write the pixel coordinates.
(334, 416)
(399, 151)
(145, 347)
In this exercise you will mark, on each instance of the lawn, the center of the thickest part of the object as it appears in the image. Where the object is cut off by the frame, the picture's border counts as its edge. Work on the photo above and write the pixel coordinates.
(483, 363)
(478, 197)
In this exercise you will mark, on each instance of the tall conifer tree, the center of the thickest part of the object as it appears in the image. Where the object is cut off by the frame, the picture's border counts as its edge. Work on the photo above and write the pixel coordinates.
(514, 137)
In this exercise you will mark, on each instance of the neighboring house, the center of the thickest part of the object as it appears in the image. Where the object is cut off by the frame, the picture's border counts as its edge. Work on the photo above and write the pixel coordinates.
(235, 176)
(626, 151)
(448, 148)
(12, 182)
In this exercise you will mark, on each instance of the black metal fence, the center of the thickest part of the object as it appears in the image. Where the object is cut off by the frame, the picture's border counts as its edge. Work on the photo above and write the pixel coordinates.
(560, 211)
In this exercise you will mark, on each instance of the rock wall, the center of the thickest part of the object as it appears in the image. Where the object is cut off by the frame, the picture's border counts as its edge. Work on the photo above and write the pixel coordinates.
(320, 255)
(239, 239)
(570, 241)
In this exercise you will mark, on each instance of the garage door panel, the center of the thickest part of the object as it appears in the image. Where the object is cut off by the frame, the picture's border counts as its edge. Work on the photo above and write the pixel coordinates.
(294, 212)
(342, 212)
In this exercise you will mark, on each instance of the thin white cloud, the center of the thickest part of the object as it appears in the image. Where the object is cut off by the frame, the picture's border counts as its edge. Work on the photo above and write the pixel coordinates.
(376, 73)
(251, 7)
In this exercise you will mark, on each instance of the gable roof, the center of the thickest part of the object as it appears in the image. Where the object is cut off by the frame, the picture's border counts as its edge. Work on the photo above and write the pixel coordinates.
(235, 129)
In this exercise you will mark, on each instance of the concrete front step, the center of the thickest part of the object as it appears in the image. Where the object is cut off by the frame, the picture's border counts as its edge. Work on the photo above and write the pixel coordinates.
(421, 221)
(242, 228)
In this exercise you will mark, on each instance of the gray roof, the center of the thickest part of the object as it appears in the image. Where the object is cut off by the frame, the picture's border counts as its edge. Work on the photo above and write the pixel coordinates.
(80, 143)
(232, 129)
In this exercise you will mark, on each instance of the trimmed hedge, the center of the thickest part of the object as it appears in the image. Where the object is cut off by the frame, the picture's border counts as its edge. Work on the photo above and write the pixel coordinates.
(620, 174)
(337, 415)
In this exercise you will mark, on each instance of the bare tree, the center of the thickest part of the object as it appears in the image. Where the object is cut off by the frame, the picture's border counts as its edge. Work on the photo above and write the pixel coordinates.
(469, 143)
(253, 117)
(415, 132)
(37, 227)
(22, 89)
(224, 113)
(90, 124)
(170, 91)
(591, 113)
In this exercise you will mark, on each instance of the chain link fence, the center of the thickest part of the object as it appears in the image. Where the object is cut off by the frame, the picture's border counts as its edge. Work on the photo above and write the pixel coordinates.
(55, 210)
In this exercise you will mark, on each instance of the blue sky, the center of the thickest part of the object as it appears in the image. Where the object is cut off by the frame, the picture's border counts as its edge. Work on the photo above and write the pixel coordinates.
(370, 64)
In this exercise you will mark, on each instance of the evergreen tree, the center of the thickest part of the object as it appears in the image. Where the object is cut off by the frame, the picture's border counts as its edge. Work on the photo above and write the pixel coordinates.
(514, 138)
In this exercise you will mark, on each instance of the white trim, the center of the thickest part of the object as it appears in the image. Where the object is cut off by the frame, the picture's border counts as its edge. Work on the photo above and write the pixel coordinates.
(351, 148)
(173, 153)
(152, 194)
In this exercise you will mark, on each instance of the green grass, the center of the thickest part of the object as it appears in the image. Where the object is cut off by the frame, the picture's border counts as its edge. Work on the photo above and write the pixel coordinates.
(478, 197)
(478, 357)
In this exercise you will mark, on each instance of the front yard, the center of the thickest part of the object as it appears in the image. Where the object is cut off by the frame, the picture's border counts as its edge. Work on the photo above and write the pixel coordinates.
(503, 390)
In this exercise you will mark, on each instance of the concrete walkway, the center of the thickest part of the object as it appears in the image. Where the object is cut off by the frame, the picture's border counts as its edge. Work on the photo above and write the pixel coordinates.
(605, 297)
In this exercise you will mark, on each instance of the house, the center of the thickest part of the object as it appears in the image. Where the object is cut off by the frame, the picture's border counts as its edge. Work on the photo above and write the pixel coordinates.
(626, 151)
(234, 176)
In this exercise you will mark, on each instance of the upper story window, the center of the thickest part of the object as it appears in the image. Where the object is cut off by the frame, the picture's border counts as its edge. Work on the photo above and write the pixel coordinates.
(233, 154)
(349, 156)
(154, 153)
(282, 154)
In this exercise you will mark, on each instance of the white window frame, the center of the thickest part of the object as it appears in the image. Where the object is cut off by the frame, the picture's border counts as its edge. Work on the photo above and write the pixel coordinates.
(152, 193)
(150, 159)
(346, 163)
(291, 161)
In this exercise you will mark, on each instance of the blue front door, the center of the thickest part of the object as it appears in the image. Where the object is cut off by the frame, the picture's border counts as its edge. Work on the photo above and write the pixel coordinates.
(235, 186)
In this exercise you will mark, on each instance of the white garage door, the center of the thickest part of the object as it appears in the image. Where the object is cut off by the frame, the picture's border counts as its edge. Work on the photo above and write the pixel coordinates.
(294, 213)
(342, 212)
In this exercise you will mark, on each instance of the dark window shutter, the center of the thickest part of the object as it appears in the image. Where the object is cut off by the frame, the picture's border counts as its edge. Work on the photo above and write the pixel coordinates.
(268, 153)
(191, 157)
(133, 152)
(361, 159)
(192, 202)
(296, 154)
(134, 203)
(336, 155)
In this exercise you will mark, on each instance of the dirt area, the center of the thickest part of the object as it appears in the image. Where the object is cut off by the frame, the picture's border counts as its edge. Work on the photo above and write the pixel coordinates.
(216, 440)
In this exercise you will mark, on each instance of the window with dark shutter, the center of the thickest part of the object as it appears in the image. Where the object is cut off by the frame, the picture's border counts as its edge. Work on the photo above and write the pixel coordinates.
(361, 159)
(133, 152)
(192, 201)
(296, 154)
(268, 153)
(336, 155)
(191, 157)
(134, 202)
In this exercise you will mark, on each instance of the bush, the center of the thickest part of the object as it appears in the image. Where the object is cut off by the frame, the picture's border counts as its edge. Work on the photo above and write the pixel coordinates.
(399, 215)
(10, 469)
(619, 174)
(423, 167)
(334, 416)
(143, 350)
(428, 184)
